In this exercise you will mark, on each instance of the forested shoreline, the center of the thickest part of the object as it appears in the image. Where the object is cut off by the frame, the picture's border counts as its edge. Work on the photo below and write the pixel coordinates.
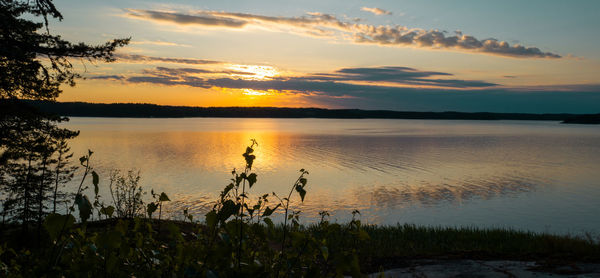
(144, 110)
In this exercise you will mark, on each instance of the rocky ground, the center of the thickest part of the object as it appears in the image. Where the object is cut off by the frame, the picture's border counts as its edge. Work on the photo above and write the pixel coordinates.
(475, 268)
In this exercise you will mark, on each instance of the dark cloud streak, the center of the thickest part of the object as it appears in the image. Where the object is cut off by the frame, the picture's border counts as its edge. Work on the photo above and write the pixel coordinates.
(398, 75)
(107, 77)
(322, 82)
(329, 26)
(184, 19)
(150, 59)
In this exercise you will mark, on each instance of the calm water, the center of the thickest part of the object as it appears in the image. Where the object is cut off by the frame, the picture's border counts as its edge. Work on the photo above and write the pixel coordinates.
(540, 176)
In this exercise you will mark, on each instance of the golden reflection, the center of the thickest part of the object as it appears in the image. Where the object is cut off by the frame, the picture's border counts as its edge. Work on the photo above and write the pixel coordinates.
(215, 151)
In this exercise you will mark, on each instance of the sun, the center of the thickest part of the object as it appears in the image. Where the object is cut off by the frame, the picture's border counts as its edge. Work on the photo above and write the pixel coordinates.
(251, 92)
(253, 72)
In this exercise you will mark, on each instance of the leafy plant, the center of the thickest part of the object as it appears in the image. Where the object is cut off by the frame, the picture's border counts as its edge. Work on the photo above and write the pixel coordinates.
(126, 193)
(157, 204)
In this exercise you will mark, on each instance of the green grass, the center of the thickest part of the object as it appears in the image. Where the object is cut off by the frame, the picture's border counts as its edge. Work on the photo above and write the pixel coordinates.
(390, 245)
(396, 245)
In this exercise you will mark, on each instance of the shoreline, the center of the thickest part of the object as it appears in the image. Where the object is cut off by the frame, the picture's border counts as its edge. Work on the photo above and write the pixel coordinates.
(142, 110)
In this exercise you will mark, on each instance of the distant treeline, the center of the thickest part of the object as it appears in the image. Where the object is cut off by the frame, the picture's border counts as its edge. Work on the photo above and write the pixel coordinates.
(135, 110)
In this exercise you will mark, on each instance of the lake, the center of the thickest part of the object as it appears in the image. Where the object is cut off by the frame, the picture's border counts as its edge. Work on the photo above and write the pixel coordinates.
(539, 176)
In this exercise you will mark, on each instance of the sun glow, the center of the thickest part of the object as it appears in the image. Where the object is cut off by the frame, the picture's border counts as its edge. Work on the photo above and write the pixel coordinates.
(253, 72)
(251, 92)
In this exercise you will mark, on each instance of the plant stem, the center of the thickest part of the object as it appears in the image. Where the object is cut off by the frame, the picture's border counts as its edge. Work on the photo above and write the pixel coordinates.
(287, 205)
(242, 220)
(85, 173)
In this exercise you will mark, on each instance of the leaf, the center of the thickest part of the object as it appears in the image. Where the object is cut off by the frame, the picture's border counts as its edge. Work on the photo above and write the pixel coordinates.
(227, 189)
(303, 181)
(269, 211)
(269, 222)
(82, 159)
(95, 180)
(325, 252)
(55, 222)
(151, 208)
(251, 179)
(84, 206)
(229, 208)
(163, 197)
(211, 218)
(301, 191)
(249, 159)
(108, 211)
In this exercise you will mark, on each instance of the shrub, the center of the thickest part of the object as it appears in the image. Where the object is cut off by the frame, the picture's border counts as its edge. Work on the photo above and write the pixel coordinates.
(127, 193)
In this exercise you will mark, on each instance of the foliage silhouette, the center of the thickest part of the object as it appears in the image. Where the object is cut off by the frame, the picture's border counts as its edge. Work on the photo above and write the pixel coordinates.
(126, 193)
(34, 61)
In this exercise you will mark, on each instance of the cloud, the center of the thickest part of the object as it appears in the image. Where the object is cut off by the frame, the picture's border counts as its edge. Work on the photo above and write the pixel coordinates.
(150, 59)
(107, 77)
(184, 19)
(399, 35)
(162, 43)
(590, 88)
(342, 81)
(185, 71)
(376, 11)
(398, 76)
(330, 27)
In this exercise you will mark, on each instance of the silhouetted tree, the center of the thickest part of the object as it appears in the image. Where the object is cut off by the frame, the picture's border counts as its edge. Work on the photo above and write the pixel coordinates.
(34, 155)
(35, 63)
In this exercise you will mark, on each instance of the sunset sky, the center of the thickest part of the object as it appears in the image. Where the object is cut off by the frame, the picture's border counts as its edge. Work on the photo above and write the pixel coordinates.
(496, 56)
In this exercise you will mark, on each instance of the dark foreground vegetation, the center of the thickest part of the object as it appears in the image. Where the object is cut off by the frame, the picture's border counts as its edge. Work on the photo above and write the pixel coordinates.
(151, 248)
(140, 110)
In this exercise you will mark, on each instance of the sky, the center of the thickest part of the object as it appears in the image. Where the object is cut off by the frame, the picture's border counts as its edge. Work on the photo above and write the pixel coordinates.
(427, 55)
